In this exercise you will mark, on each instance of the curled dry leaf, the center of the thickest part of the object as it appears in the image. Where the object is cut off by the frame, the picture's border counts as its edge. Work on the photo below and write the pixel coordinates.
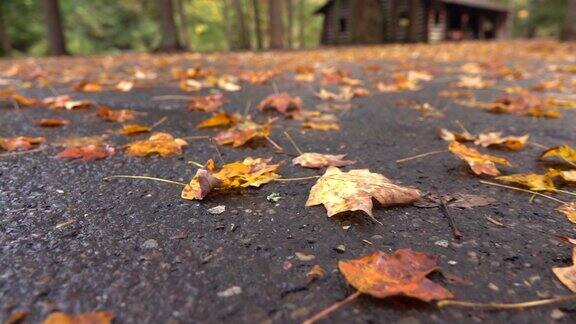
(221, 119)
(565, 152)
(496, 138)
(133, 129)
(569, 176)
(52, 122)
(211, 102)
(23, 143)
(479, 163)
(401, 274)
(348, 191)
(87, 153)
(281, 102)
(567, 275)
(243, 132)
(248, 173)
(98, 317)
(66, 102)
(569, 209)
(121, 115)
(536, 182)
(317, 160)
(163, 144)
(450, 136)
(88, 86)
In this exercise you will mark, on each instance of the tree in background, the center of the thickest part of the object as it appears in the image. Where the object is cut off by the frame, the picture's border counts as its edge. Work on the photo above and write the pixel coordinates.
(302, 23)
(169, 41)
(290, 12)
(275, 24)
(183, 23)
(569, 29)
(243, 34)
(5, 43)
(53, 24)
(257, 24)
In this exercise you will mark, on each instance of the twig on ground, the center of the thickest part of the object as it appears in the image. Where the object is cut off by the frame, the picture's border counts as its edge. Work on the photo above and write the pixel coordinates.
(420, 156)
(327, 311)
(534, 303)
(217, 150)
(144, 178)
(158, 123)
(278, 147)
(293, 143)
(444, 208)
(523, 190)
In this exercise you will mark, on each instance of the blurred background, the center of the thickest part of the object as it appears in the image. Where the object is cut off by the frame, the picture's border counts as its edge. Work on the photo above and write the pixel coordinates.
(41, 27)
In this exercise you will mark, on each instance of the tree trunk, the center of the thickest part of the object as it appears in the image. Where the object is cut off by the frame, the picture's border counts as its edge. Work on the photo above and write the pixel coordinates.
(302, 25)
(290, 10)
(275, 24)
(569, 29)
(227, 26)
(169, 33)
(53, 24)
(257, 26)
(243, 36)
(183, 19)
(5, 43)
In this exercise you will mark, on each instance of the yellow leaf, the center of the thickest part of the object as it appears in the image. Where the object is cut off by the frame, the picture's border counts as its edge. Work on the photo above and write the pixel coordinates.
(495, 138)
(479, 163)
(133, 129)
(163, 144)
(569, 209)
(348, 191)
(84, 318)
(569, 176)
(450, 136)
(564, 152)
(567, 275)
(536, 182)
(222, 119)
(317, 160)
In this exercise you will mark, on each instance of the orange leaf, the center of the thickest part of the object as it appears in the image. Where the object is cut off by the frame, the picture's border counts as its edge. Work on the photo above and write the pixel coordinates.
(479, 163)
(120, 115)
(210, 102)
(88, 86)
(401, 274)
(20, 143)
(52, 122)
(163, 144)
(242, 133)
(133, 129)
(221, 119)
(87, 153)
(98, 317)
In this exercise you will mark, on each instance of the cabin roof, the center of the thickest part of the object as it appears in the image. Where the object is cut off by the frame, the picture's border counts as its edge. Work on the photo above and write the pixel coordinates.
(480, 4)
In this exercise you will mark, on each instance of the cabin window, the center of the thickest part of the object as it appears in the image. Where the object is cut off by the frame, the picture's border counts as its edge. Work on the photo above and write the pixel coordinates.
(437, 17)
(403, 20)
(343, 23)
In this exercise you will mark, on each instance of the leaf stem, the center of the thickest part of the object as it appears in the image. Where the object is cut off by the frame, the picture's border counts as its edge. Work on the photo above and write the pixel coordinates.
(420, 156)
(296, 179)
(523, 190)
(533, 303)
(144, 178)
(293, 143)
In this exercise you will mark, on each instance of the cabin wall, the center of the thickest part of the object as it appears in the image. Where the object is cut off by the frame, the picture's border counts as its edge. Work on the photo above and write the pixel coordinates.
(337, 23)
(405, 20)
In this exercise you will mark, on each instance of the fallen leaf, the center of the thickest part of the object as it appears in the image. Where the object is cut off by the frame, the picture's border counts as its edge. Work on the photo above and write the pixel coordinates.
(401, 274)
(124, 86)
(348, 191)
(565, 152)
(569, 176)
(133, 129)
(17, 317)
(473, 82)
(98, 317)
(281, 102)
(24, 143)
(317, 160)
(479, 163)
(121, 115)
(316, 273)
(163, 144)
(88, 86)
(52, 122)
(524, 103)
(23, 100)
(346, 93)
(87, 153)
(208, 103)
(450, 136)
(82, 141)
(569, 209)
(66, 102)
(536, 182)
(248, 173)
(567, 275)
(496, 138)
(242, 133)
(221, 119)
(457, 200)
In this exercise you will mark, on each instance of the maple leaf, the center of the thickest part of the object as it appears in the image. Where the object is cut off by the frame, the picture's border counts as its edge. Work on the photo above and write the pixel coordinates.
(569, 209)
(536, 182)
(243, 132)
(496, 138)
(349, 191)
(88, 86)
(404, 273)
(565, 152)
(87, 153)
(317, 160)
(163, 144)
(133, 129)
(20, 143)
(211, 102)
(52, 122)
(221, 119)
(97, 317)
(450, 136)
(120, 115)
(248, 173)
(567, 275)
(281, 102)
(479, 163)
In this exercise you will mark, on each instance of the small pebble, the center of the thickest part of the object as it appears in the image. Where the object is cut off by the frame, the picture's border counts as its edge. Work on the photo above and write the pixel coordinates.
(232, 291)
(217, 210)
(442, 243)
(150, 244)
(305, 257)
(493, 287)
(340, 248)
(556, 314)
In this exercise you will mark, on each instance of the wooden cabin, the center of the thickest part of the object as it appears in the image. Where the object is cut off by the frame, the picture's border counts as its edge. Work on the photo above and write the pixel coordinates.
(404, 21)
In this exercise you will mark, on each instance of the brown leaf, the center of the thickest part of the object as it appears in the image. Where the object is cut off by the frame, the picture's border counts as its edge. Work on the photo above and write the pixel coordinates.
(52, 122)
(163, 144)
(97, 317)
(479, 163)
(207, 103)
(121, 115)
(401, 274)
(281, 102)
(348, 191)
(496, 139)
(221, 119)
(567, 275)
(88, 86)
(133, 129)
(87, 153)
(317, 160)
(20, 143)
(450, 136)
(242, 133)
